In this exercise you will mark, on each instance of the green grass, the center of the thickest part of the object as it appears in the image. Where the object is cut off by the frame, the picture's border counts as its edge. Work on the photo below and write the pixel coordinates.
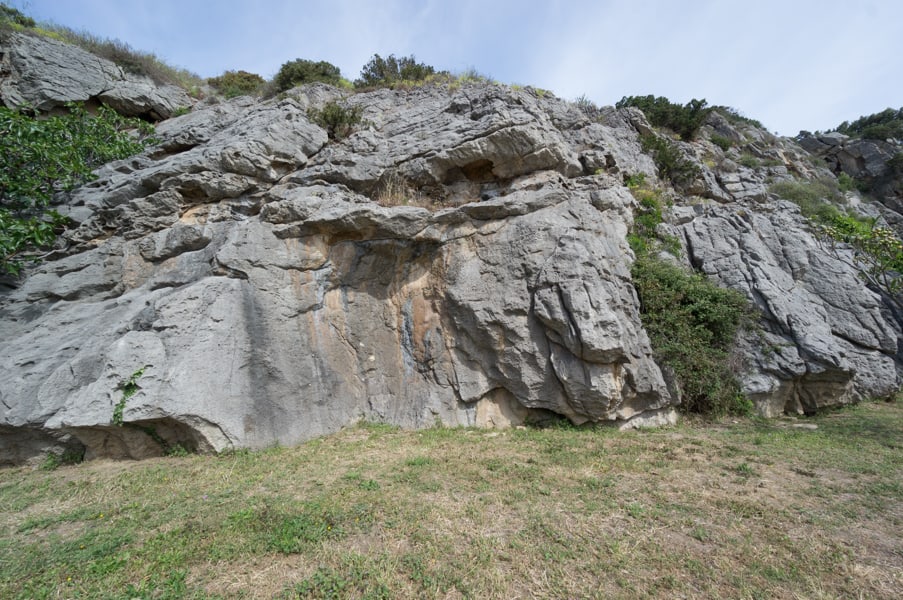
(740, 508)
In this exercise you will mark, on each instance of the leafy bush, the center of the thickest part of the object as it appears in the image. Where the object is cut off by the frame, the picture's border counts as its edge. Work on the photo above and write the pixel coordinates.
(9, 15)
(337, 120)
(877, 252)
(301, 71)
(670, 161)
(41, 156)
(237, 83)
(723, 142)
(391, 70)
(879, 126)
(692, 324)
(684, 120)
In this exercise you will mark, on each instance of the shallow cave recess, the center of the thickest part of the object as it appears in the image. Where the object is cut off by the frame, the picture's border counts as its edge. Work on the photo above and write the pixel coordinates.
(139, 439)
(471, 182)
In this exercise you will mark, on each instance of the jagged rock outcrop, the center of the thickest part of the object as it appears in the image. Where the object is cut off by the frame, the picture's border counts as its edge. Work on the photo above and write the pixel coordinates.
(267, 303)
(44, 74)
(865, 160)
(247, 276)
(823, 338)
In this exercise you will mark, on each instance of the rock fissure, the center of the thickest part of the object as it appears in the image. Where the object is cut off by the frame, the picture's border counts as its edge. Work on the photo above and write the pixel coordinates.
(275, 306)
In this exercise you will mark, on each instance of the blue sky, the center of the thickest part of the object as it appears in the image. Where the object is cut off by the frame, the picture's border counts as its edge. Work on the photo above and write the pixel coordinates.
(792, 64)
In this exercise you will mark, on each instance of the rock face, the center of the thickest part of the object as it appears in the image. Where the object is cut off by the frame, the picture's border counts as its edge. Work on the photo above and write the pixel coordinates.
(866, 160)
(44, 74)
(248, 277)
(823, 340)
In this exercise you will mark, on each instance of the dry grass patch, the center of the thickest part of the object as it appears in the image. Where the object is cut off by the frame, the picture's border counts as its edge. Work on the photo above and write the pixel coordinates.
(744, 509)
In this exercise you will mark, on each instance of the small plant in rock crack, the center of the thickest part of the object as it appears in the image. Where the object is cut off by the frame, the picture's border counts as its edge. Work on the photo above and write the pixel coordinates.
(129, 388)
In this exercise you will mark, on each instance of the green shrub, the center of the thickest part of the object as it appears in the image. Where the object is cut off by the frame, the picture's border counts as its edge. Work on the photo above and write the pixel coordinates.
(879, 126)
(846, 183)
(39, 157)
(388, 71)
(670, 161)
(237, 83)
(684, 120)
(301, 71)
(692, 324)
(877, 252)
(9, 15)
(338, 121)
(816, 199)
(736, 117)
(723, 142)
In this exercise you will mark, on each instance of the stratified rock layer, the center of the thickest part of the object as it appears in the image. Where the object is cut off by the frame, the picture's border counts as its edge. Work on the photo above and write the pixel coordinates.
(43, 74)
(247, 268)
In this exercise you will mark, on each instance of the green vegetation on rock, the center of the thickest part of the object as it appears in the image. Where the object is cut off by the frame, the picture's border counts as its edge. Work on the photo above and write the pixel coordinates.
(237, 83)
(671, 162)
(384, 72)
(41, 156)
(300, 71)
(683, 120)
(884, 125)
(339, 121)
(692, 323)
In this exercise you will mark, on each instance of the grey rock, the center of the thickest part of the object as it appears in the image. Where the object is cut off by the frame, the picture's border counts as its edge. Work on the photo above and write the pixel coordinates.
(825, 340)
(45, 74)
(243, 267)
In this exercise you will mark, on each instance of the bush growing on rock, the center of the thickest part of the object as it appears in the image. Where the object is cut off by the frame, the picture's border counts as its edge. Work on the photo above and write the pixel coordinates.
(12, 16)
(692, 324)
(391, 70)
(39, 157)
(338, 121)
(684, 120)
(237, 83)
(884, 125)
(671, 163)
(300, 71)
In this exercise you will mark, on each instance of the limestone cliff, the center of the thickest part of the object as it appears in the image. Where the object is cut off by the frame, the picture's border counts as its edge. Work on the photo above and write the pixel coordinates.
(271, 284)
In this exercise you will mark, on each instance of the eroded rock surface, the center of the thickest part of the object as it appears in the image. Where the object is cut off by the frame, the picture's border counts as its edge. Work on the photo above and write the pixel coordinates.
(248, 276)
(44, 74)
(824, 339)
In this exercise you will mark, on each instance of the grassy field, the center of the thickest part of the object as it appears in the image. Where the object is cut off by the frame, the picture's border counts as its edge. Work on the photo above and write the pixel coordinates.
(737, 509)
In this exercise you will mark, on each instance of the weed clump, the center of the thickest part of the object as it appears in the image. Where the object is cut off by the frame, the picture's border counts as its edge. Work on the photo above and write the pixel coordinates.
(237, 83)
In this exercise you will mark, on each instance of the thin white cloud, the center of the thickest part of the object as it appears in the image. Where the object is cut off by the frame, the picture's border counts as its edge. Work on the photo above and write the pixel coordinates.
(797, 64)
